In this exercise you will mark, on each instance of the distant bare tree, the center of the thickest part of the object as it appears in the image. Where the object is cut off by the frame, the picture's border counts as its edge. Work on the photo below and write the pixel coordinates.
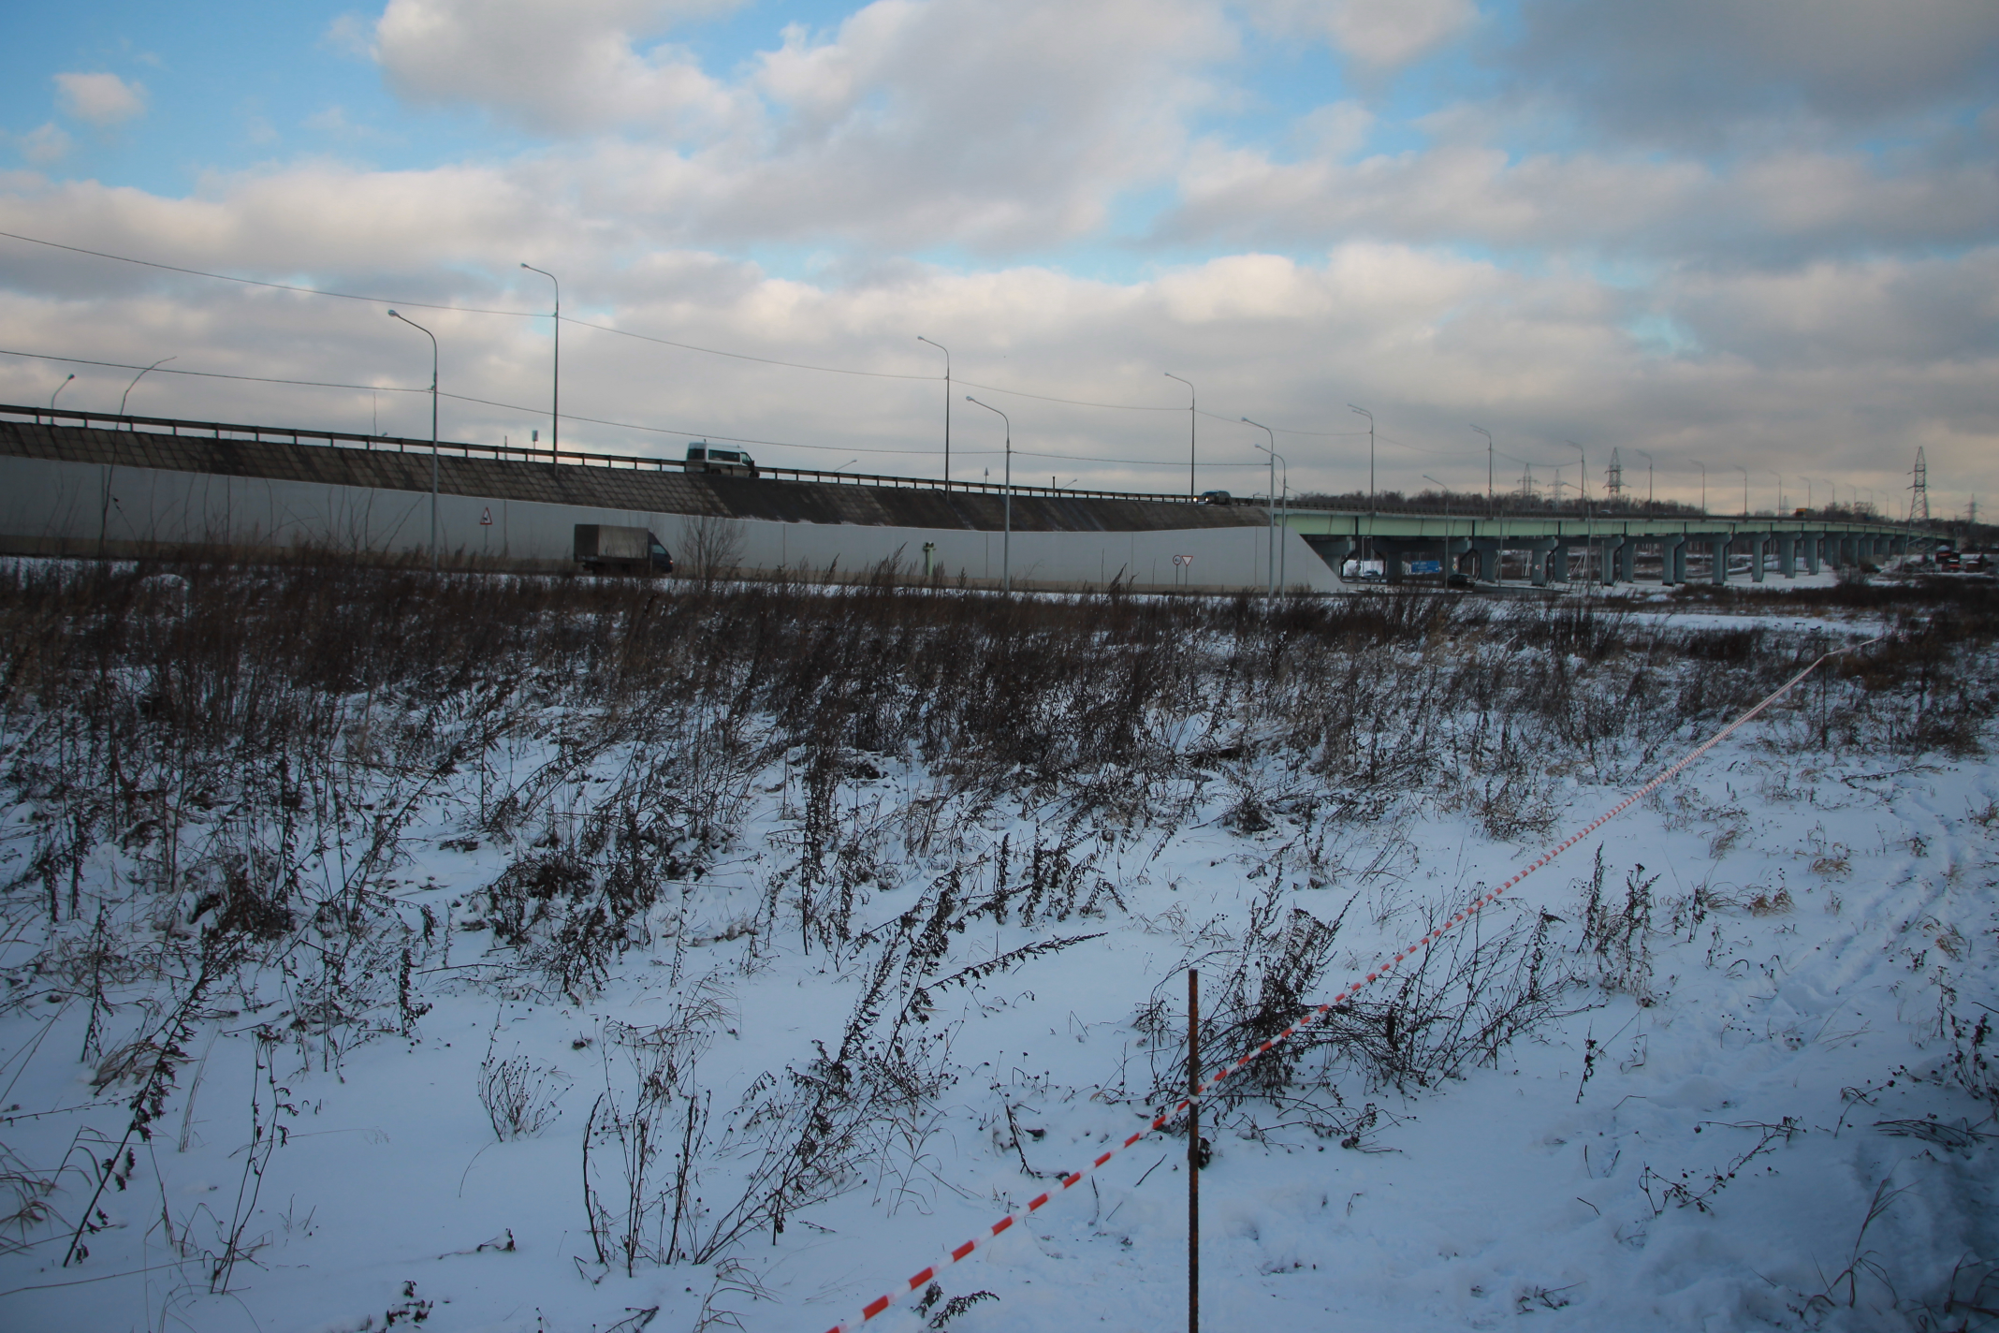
(710, 546)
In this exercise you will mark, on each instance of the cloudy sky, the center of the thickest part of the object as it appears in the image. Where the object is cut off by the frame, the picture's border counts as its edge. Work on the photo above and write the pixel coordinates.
(1756, 234)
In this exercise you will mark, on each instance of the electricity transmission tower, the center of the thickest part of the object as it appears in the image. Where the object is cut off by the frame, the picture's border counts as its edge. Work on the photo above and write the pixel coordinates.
(1919, 490)
(1613, 480)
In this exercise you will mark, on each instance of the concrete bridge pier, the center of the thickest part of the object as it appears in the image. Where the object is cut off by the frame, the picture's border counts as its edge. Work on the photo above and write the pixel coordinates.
(1487, 551)
(1787, 554)
(1719, 543)
(1612, 548)
(1627, 561)
(1539, 553)
(1809, 544)
(1335, 551)
(1759, 543)
(1672, 560)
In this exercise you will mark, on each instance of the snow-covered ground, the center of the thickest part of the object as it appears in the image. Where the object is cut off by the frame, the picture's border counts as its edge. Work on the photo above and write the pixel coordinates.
(1718, 1071)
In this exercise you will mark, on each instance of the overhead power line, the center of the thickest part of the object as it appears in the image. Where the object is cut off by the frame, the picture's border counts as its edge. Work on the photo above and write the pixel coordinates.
(258, 282)
(594, 421)
(304, 290)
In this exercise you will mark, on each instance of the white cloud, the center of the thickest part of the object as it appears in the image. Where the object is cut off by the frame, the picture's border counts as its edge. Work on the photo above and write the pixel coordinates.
(1773, 365)
(1699, 71)
(102, 99)
(563, 68)
(1377, 32)
(43, 145)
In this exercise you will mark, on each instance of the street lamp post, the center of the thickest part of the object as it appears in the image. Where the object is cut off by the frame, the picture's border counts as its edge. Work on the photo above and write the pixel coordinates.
(1648, 477)
(1488, 464)
(1745, 487)
(1006, 542)
(1703, 467)
(1780, 489)
(947, 405)
(59, 389)
(1192, 399)
(1271, 508)
(1370, 453)
(128, 388)
(433, 430)
(1444, 552)
(1589, 519)
(555, 396)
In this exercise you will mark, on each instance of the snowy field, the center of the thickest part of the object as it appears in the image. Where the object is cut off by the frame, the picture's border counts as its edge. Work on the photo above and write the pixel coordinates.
(540, 956)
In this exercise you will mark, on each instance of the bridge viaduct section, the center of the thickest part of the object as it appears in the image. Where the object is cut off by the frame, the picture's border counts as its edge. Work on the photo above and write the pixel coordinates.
(1606, 550)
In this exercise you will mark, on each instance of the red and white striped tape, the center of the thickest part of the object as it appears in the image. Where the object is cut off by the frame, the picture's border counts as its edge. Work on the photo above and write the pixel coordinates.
(1070, 1180)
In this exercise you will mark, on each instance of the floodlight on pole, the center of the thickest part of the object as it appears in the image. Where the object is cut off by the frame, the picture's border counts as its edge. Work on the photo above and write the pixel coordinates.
(555, 395)
(1006, 542)
(433, 430)
(947, 404)
(1192, 401)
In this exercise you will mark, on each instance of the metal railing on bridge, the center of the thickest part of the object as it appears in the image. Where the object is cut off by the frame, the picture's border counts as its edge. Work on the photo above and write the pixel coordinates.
(515, 453)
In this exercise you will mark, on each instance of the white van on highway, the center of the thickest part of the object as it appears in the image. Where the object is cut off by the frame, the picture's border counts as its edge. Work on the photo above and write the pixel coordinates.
(705, 457)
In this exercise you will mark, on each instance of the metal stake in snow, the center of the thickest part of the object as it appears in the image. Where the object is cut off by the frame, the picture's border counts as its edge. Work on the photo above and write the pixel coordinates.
(1193, 1151)
(1196, 1088)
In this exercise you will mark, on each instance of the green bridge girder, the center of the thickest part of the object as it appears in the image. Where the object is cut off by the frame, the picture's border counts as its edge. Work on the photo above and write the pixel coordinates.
(1531, 527)
(1609, 545)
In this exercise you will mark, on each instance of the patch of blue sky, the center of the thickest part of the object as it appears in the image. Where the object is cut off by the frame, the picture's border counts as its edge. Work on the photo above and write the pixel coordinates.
(226, 89)
(727, 43)
(1662, 335)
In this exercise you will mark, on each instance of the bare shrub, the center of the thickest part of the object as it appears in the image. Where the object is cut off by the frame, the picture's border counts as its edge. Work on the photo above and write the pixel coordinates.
(648, 1216)
(803, 1135)
(1766, 903)
(519, 1095)
(1461, 1002)
(1616, 939)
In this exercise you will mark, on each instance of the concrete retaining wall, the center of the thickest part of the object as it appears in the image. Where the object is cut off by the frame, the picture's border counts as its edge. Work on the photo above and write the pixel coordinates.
(52, 506)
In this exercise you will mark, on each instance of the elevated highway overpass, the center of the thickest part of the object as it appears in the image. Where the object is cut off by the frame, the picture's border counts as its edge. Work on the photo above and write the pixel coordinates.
(74, 482)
